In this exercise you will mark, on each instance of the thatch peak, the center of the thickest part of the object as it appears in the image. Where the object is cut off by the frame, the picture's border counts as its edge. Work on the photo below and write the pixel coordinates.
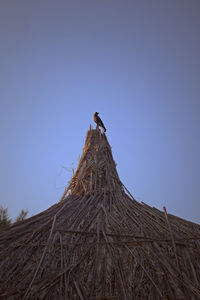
(99, 243)
(96, 170)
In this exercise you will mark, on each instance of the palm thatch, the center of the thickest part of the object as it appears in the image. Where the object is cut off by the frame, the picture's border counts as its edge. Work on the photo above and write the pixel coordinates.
(98, 242)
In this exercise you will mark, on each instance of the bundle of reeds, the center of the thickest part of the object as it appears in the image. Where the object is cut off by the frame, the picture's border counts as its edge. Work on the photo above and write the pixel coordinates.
(98, 242)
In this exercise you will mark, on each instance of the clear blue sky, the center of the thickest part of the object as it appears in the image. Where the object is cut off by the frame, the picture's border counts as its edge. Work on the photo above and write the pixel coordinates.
(136, 62)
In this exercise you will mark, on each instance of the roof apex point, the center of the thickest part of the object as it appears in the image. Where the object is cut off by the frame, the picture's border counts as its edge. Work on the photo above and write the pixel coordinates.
(96, 169)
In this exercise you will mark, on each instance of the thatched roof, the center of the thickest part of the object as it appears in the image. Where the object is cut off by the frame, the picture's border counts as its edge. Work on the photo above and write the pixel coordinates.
(98, 242)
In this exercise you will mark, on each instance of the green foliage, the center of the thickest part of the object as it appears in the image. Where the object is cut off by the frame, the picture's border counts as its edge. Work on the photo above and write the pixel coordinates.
(22, 215)
(5, 220)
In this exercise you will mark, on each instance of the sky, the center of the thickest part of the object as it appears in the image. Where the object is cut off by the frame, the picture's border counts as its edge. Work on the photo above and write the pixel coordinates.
(136, 62)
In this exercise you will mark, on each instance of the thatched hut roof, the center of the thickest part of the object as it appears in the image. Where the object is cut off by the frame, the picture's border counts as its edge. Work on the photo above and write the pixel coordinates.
(98, 242)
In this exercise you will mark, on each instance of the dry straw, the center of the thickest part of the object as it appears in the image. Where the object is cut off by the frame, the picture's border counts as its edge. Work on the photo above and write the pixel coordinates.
(98, 242)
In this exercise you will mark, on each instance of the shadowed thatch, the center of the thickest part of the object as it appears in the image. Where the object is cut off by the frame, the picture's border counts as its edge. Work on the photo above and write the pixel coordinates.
(98, 242)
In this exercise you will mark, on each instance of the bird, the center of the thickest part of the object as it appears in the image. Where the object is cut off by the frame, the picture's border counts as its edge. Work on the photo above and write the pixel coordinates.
(97, 120)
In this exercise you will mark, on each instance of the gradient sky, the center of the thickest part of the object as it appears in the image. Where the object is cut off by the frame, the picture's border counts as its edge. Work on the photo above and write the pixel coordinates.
(135, 62)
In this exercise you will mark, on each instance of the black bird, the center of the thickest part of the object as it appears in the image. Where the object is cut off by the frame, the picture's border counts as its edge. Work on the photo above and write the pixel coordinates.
(98, 121)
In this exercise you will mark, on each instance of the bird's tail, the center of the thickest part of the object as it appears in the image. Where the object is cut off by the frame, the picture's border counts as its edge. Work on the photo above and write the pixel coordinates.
(104, 128)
